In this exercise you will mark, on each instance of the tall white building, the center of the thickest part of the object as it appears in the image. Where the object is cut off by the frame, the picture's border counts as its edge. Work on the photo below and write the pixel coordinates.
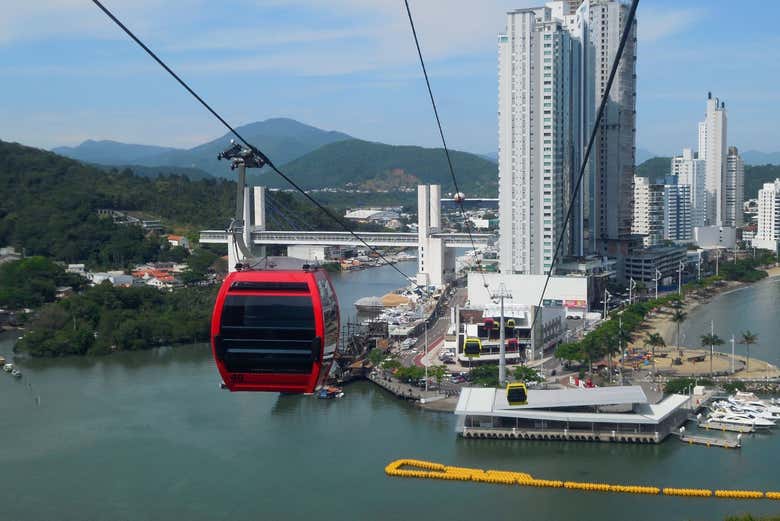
(648, 212)
(662, 212)
(677, 218)
(713, 149)
(734, 189)
(553, 67)
(768, 230)
(690, 171)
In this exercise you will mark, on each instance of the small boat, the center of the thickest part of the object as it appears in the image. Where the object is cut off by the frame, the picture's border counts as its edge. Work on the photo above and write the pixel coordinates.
(329, 393)
(8, 368)
(17, 373)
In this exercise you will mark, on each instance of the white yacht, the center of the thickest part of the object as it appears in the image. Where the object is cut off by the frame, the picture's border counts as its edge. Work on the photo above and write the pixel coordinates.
(725, 416)
(739, 408)
(17, 373)
(752, 400)
(8, 368)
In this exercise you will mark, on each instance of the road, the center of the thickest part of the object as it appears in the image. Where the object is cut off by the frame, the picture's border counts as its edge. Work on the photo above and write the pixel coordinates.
(414, 356)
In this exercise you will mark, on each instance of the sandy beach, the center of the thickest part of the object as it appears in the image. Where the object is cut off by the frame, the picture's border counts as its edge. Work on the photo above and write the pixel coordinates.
(661, 322)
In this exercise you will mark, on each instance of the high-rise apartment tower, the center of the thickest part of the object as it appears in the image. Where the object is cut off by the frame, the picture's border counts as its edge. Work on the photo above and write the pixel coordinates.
(553, 67)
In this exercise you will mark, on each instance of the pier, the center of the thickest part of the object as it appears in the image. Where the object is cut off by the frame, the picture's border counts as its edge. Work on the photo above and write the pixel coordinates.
(710, 442)
(726, 427)
(406, 391)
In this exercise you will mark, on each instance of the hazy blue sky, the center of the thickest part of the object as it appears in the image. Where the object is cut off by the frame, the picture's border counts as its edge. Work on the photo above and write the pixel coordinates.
(68, 74)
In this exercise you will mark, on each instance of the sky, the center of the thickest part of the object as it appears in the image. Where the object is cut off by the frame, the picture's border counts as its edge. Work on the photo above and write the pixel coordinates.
(68, 74)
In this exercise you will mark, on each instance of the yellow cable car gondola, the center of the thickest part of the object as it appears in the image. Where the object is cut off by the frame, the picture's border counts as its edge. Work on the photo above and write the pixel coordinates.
(510, 323)
(517, 393)
(472, 347)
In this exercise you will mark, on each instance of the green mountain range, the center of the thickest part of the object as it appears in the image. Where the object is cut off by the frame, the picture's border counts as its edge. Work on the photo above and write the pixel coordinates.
(375, 166)
(281, 139)
(313, 157)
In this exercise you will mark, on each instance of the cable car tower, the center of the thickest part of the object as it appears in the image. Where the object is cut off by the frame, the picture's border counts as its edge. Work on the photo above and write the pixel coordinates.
(239, 232)
(500, 294)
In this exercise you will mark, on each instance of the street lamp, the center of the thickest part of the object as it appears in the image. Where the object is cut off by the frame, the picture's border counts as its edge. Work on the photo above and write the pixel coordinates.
(657, 278)
(631, 287)
(679, 278)
(607, 294)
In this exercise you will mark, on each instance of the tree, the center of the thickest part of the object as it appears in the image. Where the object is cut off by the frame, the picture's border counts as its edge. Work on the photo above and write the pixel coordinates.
(375, 356)
(438, 372)
(485, 375)
(569, 351)
(748, 338)
(712, 340)
(654, 340)
(611, 342)
(526, 374)
(678, 317)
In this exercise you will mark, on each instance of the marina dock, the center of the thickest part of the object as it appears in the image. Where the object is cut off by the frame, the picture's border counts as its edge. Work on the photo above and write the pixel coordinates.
(710, 442)
(726, 427)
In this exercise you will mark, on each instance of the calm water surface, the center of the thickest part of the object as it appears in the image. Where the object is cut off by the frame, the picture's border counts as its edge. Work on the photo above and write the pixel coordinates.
(148, 436)
(755, 308)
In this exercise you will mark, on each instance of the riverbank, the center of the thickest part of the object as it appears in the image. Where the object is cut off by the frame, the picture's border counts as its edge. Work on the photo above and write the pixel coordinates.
(692, 362)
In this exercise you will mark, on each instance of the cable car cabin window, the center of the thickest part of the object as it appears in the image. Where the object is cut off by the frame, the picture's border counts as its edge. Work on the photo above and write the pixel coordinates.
(273, 334)
(330, 316)
(274, 313)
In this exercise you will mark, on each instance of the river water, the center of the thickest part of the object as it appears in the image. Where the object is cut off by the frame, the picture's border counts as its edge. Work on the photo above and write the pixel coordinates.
(755, 307)
(148, 436)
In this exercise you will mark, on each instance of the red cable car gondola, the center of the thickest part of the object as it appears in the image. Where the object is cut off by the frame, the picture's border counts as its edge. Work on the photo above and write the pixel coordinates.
(275, 329)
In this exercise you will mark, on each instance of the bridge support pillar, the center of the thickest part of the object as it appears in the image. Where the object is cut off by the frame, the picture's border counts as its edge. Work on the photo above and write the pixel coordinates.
(435, 262)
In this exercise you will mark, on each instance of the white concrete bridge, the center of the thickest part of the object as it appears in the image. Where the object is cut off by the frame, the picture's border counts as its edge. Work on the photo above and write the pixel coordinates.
(435, 257)
(376, 239)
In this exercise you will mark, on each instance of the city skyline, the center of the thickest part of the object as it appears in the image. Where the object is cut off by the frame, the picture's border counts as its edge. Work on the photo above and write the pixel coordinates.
(349, 67)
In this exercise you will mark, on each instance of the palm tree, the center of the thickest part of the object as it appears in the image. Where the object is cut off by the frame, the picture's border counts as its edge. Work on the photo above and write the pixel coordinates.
(712, 340)
(748, 338)
(611, 342)
(678, 317)
(654, 340)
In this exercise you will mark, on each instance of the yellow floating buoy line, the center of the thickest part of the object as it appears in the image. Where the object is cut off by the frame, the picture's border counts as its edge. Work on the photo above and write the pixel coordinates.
(412, 468)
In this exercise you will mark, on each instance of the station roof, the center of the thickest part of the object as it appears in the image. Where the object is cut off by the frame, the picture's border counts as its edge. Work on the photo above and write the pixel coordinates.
(542, 404)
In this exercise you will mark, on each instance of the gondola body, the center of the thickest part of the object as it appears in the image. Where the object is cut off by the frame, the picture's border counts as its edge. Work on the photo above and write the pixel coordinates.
(517, 393)
(275, 329)
(472, 347)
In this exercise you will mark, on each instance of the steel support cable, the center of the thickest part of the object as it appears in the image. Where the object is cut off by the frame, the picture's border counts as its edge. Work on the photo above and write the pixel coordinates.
(443, 141)
(282, 220)
(282, 216)
(254, 149)
(596, 127)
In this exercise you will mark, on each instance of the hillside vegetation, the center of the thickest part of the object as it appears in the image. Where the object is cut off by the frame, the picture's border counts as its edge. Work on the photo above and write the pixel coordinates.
(48, 206)
(755, 176)
(362, 164)
(654, 168)
(104, 319)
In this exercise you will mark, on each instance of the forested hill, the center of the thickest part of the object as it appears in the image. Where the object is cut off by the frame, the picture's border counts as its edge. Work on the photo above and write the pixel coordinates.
(48, 206)
(376, 166)
(755, 176)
